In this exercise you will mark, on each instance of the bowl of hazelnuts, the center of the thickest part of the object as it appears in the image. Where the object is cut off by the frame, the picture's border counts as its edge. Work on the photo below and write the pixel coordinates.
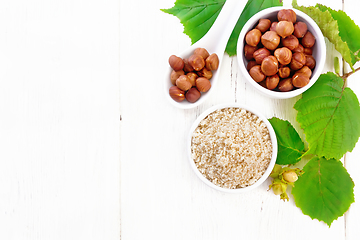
(281, 52)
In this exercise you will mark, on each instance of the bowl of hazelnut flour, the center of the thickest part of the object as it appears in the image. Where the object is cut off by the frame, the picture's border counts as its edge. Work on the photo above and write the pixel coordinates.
(232, 148)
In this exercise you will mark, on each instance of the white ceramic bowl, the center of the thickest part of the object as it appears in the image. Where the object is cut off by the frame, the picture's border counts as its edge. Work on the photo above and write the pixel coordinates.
(272, 137)
(319, 51)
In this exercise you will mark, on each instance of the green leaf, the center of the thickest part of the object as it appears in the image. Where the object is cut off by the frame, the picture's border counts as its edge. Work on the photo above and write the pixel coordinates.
(325, 191)
(197, 17)
(329, 113)
(330, 29)
(251, 8)
(290, 145)
(348, 31)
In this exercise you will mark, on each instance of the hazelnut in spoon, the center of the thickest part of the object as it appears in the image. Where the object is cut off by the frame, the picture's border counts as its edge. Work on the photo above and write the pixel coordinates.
(214, 41)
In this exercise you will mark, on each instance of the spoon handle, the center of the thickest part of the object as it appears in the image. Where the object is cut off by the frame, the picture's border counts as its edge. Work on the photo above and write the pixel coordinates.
(218, 35)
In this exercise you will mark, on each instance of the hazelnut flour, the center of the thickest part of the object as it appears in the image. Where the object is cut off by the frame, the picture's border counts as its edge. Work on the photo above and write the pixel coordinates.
(231, 147)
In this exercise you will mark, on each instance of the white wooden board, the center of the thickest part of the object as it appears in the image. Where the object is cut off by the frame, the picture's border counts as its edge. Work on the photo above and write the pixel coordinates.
(91, 149)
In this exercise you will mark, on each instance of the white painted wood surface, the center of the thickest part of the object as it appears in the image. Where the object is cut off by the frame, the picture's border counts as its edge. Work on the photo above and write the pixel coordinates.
(71, 169)
(59, 125)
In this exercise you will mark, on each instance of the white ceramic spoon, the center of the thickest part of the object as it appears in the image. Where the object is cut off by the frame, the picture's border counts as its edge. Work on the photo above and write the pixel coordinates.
(214, 41)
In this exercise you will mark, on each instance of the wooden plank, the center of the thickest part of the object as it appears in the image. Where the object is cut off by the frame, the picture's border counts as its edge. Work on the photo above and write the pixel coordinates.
(59, 125)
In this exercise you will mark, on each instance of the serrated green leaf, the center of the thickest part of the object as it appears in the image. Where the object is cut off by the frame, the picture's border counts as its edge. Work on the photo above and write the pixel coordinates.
(329, 113)
(290, 145)
(251, 8)
(325, 191)
(348, 31)
(330, 29)
(197, 17)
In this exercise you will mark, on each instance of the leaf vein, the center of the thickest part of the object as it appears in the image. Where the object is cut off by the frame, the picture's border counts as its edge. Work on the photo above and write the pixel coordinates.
(205, 20)
(293, 149)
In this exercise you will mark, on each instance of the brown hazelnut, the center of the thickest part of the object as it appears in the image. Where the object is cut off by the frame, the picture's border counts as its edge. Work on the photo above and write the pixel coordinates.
(183, 82)
(253, 37)
(310, 61)
(298, 61)
(285, 85)
(283, 55)
(177, 94)
(187, 66)
(270, 40)
(269, 66)
(176, 63)
(273, 26)
(284, 72)
(175, 75)
(256, 73)
(212, 62)
(286, 15)
(272, 82)
(300, 80)
(299, 48)
(192, 77)
(308, 40)
(250, 65)
(202, 52)
(291, 42)
(308, 51)
(205, 73)
(260, 54)
(284, 28)
(249, 51)
(192, 95)
(300, 28)
(263, 25)
(305, 70)
(263, 84)
(197, 62)
(203, 84)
